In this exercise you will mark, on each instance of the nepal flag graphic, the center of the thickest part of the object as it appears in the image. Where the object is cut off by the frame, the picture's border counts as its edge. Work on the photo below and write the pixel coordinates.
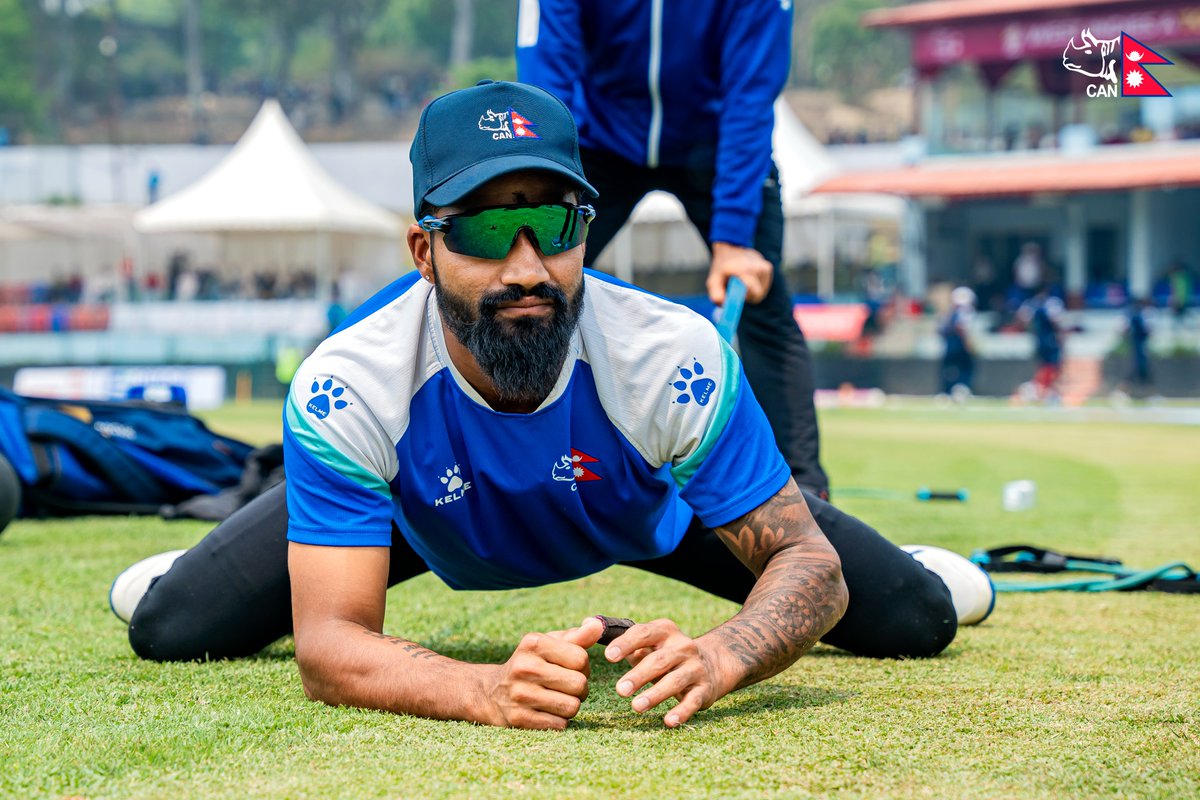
(1135, 80)
(522, 128)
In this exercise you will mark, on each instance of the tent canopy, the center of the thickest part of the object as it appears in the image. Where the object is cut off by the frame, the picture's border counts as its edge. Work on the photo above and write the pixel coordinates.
(269, 182)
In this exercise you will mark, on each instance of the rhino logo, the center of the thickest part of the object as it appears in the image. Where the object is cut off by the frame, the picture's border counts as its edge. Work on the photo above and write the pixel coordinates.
(1095, 58)
(564, 470)
(496, 122)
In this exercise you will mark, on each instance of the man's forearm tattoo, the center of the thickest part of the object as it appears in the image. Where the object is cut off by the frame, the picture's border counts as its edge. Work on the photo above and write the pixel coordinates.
(413, 649)
(798, 596)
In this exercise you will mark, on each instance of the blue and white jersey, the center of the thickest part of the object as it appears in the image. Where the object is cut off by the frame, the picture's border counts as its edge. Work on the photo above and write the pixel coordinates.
(651, 421)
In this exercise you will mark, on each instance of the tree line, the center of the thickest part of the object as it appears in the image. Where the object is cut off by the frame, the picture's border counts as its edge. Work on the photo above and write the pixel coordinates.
(71, 63)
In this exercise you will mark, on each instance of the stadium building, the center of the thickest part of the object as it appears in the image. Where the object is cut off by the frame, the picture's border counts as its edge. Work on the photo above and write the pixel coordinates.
(1053, 143)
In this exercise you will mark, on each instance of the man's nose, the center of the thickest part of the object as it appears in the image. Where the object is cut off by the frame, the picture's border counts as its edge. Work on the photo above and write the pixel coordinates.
(523, 265)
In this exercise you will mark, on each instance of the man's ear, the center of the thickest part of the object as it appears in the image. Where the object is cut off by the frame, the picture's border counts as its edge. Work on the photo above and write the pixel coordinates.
(419, 245)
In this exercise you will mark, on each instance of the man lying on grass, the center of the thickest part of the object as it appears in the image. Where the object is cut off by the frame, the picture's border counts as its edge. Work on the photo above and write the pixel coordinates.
(506, 419)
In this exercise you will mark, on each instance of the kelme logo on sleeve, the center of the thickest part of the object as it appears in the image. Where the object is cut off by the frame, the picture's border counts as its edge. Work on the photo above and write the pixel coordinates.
(693, 386)
(326, 398)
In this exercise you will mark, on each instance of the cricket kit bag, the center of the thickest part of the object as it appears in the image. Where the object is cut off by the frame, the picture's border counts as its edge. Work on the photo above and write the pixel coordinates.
(124, 457)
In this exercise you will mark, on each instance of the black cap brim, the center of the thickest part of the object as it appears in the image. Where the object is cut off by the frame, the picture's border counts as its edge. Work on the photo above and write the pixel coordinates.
(463, 183)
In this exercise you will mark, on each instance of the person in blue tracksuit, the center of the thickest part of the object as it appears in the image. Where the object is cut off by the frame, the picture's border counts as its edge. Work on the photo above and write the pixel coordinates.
(679, 96)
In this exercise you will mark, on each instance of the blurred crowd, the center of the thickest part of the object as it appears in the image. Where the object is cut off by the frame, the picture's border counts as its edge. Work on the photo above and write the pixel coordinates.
(179, 283)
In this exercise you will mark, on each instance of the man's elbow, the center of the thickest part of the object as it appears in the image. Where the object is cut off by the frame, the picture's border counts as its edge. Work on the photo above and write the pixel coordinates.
(835, 595)
(839, 595)
(318, 673)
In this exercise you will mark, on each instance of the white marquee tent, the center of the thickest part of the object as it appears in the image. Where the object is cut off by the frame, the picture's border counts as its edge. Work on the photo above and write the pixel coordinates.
(269, 206)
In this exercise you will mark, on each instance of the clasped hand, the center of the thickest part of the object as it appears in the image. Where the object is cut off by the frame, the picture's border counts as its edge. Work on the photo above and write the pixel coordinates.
(730, 261)
(545, 681)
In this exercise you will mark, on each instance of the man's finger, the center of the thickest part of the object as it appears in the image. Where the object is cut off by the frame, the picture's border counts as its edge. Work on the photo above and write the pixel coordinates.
(652, 668)
(613, 627)
(551, 702)
(587, 634)
(716, 288)
(692, 702)
(668, 686)
(538, 721)
(563, 680)
(636, 638)
(635, 658)
(757, 280)
(563, 653)
(756, 291)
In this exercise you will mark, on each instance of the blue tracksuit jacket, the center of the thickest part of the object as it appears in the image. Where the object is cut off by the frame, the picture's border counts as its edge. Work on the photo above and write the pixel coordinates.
(651, 80)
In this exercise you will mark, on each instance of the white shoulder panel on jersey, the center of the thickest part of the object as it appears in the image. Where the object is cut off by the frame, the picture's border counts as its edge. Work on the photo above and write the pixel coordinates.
(374, 366)
(663, 373)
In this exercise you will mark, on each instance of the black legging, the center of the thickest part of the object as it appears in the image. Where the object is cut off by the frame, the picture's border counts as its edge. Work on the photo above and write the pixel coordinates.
(773, 351)
(230, 595)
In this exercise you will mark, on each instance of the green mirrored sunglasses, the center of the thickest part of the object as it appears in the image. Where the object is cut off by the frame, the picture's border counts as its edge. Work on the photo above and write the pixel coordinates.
(491, 232)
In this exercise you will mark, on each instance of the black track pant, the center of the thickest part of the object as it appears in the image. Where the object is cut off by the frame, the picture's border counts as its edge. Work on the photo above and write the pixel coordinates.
(230, 596)
(773, 350)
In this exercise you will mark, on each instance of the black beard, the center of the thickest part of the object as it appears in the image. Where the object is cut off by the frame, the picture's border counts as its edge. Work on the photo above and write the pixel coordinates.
(521, 357)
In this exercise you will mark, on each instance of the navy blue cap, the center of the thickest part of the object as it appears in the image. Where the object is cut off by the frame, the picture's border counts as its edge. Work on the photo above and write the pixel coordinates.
(470, 136)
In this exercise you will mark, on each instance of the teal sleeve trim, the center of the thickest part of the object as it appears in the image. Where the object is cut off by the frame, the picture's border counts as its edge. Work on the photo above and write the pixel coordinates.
(731, 371)
(329, 455)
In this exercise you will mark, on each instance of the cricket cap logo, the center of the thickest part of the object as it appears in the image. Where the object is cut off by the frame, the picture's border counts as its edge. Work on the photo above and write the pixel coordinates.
(1120, 62)
(507, 124)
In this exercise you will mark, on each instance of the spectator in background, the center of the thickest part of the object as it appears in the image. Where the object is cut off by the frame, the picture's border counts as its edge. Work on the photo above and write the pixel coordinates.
(337, 312)
(1037, 136)
(1138, 330)
(958, 361)
(1044, 316)
(153, 179)
(153, 286)
(1180, 289)
(1029, 270)
(983, 275)
(684, 102)
(175, 269)
(74, 288)
(187, 286)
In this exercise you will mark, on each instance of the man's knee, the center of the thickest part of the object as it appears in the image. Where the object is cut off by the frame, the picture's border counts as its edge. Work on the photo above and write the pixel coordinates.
(925, 623)
(915, 620)
(177, 621)
(898, 608)
(162, 631)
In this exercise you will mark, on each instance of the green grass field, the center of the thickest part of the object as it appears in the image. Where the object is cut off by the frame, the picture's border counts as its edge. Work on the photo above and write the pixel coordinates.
(1056, 695)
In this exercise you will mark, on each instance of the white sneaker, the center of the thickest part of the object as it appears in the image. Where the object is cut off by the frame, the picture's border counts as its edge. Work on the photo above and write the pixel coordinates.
(971, 588)
(131, 585)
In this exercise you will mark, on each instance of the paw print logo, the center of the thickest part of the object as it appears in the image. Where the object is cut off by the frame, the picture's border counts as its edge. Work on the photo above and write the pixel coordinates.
(325, 398)
(692, 386)
(452, 480)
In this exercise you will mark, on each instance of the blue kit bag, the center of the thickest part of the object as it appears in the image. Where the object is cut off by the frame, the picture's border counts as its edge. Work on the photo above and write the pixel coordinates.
(124, 457)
